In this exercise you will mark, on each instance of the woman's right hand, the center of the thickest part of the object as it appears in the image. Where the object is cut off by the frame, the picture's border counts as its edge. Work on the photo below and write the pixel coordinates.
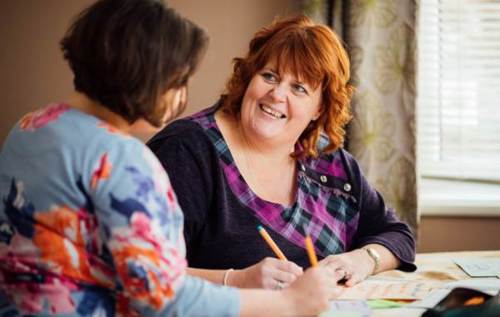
(270, 273)
(311, 293)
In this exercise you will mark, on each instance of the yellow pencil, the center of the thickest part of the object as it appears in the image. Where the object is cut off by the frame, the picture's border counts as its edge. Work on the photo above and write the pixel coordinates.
(271, 243)
(310, 251)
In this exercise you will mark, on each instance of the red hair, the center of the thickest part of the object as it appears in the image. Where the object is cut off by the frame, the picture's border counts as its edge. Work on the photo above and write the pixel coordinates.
(312, 53)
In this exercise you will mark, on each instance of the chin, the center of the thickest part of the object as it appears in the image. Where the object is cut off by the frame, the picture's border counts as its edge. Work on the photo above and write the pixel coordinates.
(268, 134)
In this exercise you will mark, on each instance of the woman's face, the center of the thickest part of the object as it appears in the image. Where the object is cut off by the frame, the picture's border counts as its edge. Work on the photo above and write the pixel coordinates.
(277, 108)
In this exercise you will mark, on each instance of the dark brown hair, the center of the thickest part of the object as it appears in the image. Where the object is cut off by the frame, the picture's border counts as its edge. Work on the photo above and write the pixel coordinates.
(312, 53)
(126, 54)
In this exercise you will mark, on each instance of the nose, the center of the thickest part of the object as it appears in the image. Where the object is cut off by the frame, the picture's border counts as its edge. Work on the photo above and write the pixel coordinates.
(279, 92)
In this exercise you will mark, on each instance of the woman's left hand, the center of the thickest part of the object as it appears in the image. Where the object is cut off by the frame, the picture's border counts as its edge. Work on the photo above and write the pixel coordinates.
(270, 273)
(355, 265)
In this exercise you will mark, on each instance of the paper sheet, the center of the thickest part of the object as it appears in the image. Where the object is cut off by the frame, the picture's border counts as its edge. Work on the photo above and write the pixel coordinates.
(431, 300)
(480, 267)
(348, 308)
(481, 284)
(382, 289)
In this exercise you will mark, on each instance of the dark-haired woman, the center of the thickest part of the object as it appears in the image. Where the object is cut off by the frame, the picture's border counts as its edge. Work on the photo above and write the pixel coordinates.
(270, 153)
(89, 223)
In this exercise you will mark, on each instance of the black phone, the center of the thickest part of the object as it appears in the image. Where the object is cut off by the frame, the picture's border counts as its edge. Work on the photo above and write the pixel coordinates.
(466, 302)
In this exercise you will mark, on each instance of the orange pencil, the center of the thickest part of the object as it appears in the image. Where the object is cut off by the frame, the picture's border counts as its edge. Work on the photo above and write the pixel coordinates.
(271, 243)
(310, 250)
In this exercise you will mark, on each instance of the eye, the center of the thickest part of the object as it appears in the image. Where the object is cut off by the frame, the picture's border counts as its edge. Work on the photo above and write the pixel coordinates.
(300, 89)
(269, 77)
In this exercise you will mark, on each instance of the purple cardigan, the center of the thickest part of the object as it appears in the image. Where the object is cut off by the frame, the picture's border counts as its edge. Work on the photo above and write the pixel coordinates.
(340, 210)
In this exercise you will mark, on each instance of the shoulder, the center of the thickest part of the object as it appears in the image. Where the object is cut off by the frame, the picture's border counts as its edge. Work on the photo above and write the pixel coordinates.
(337, 169)
(338, 163)
(115, 157)
(77, 137)
(184, 128)
(329, 164)
(123, 147)
(103, 153)
(180, 135)
(191, 132)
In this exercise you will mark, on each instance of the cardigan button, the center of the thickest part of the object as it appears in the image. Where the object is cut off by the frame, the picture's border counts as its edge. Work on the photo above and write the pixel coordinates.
(323, 179)
(347, 187)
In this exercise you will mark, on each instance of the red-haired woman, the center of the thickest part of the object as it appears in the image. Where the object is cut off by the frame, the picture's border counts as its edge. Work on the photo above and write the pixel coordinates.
(270, 153)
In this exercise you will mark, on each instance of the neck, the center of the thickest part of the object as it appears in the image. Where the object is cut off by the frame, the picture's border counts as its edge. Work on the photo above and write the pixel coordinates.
(267, 168)
(274, 153)
(85, 104)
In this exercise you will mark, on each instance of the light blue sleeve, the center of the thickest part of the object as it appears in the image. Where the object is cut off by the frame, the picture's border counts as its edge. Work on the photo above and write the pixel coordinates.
(203, 299)
(142, 227)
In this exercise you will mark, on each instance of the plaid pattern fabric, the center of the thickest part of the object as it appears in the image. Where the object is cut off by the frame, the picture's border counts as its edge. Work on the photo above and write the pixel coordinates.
(322, 206)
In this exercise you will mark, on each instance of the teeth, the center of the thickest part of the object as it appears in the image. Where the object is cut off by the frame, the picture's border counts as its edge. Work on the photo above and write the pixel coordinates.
(271, 111)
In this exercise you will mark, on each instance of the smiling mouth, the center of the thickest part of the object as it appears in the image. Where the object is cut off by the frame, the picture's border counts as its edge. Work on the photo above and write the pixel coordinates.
(270, 111)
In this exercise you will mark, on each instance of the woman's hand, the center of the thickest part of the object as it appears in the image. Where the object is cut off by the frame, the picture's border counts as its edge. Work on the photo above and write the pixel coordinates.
(312, 292)
(269, 273)
(354, 266)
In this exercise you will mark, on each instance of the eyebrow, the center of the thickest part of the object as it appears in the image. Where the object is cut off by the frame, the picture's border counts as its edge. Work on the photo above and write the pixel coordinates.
(270, 69)
(296, 80)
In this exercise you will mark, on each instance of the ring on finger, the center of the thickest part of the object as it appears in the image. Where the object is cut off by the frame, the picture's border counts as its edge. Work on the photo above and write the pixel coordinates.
(279, 285)
(342, 272)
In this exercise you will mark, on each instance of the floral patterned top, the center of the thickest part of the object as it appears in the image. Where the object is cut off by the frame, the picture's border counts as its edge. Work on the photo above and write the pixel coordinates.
(90, 226)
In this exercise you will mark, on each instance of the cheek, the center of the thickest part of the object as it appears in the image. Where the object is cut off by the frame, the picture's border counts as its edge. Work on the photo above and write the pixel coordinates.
(304, 110)
(247, 101)
(175, 101)
(171, 98)
(256, 89)
(314, 107)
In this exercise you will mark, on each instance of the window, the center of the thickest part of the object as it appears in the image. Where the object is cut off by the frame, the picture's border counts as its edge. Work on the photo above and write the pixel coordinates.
(459, 89)
(459, 107)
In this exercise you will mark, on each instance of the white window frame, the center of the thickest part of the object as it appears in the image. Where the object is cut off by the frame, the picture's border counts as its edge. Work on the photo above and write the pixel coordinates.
(453, 184)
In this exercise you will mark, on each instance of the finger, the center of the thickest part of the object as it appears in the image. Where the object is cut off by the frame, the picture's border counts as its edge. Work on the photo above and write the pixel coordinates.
(334, 272)
(269, 283)
(284, 277)
(270, 261)
(340, 274)
(273, 264)
(353, 280)
(350, 282)
(290, 267)
(336, 262)
(329, 281)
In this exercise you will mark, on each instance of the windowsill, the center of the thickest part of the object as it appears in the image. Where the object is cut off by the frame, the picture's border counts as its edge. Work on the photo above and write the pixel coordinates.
(459, 198)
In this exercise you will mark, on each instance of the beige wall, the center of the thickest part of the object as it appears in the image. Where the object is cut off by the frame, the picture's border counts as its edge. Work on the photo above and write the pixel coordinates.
(32, 73)
(459, 233)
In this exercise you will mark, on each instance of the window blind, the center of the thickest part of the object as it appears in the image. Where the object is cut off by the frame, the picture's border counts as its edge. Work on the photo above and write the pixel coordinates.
(458, 96)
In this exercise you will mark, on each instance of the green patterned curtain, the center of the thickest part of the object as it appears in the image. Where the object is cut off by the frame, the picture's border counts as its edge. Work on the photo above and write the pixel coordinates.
(381, 40)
